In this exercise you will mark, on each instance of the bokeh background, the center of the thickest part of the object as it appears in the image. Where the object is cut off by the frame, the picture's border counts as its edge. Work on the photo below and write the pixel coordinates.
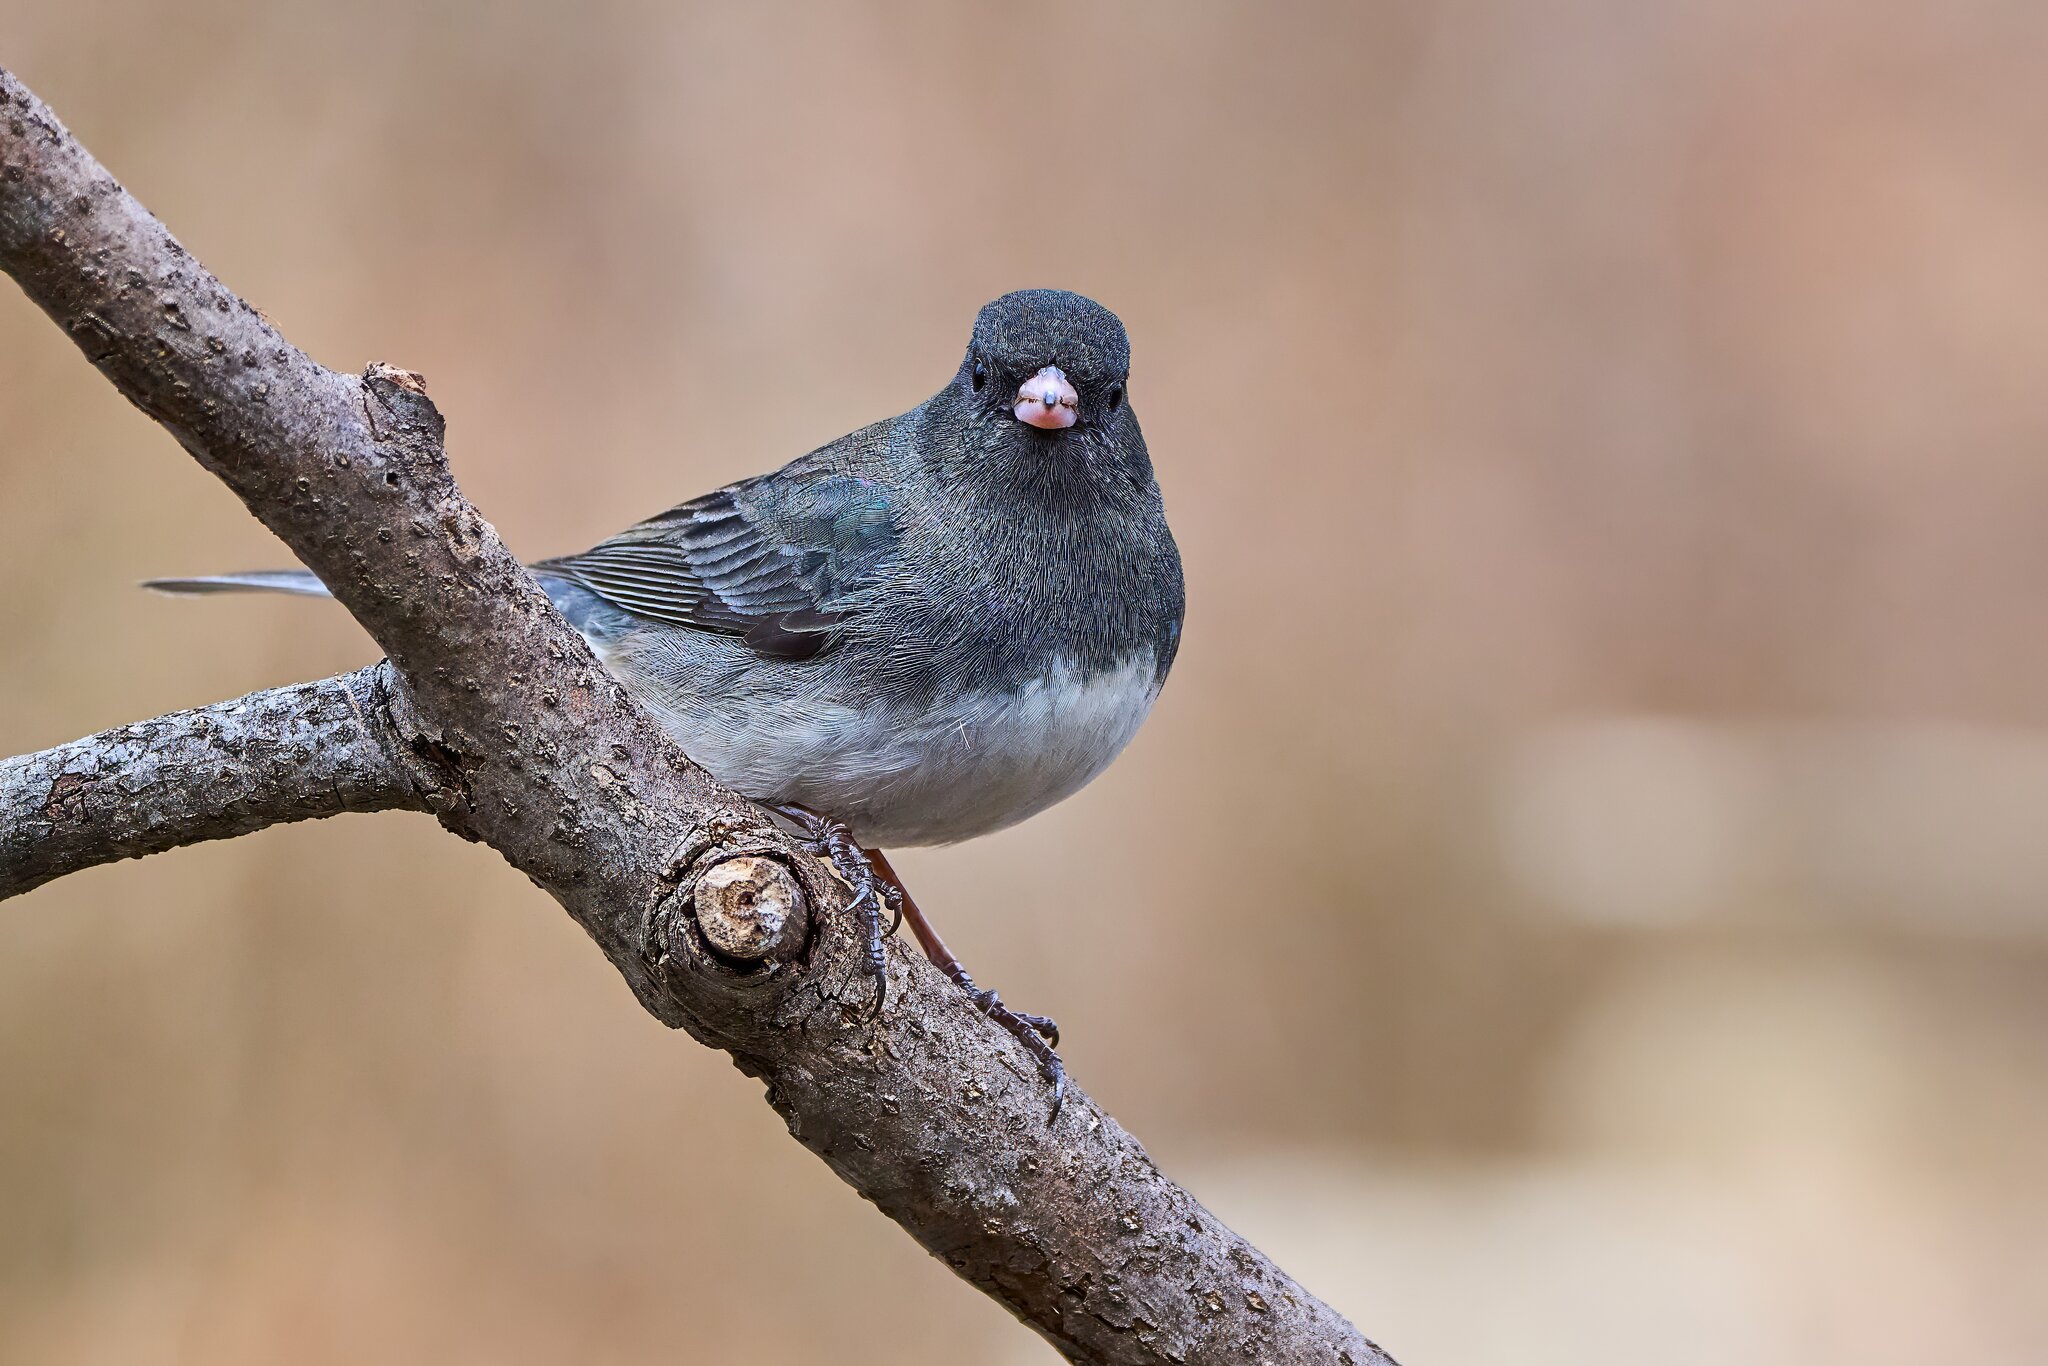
(1607, 443)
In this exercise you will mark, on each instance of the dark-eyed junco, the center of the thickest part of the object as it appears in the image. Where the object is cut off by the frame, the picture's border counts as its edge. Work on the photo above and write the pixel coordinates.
(925, 631)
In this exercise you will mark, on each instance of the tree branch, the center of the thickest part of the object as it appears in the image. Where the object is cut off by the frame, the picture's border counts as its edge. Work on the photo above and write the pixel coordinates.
(288, 754)
(501, 721)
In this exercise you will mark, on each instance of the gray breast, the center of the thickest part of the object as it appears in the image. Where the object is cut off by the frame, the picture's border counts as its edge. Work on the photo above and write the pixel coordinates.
(899, 771)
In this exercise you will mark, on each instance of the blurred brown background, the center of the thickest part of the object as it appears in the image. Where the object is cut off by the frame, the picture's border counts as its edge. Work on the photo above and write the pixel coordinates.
(1607, 443)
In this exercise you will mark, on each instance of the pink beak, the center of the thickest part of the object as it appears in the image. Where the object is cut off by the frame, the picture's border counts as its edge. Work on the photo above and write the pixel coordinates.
(1047, 400)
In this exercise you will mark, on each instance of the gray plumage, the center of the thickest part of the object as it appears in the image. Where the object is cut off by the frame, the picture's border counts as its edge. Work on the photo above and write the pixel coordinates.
(931, 628)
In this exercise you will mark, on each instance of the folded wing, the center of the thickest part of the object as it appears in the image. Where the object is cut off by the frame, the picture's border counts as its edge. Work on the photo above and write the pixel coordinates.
(778, 561)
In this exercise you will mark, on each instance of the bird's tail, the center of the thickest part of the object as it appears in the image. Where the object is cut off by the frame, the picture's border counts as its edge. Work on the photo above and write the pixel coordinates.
(300, 581)
(597, 619)
(587, 612)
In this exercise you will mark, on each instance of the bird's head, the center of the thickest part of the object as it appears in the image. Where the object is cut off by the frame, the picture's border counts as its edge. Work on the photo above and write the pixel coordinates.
(1047, 359)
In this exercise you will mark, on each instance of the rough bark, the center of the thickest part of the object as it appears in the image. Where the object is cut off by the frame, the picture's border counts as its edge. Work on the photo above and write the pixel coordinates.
(506, 727)
(288, 754)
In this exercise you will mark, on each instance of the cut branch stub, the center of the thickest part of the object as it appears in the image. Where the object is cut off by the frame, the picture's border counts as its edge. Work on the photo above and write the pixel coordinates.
(496, 715)
(751, 909)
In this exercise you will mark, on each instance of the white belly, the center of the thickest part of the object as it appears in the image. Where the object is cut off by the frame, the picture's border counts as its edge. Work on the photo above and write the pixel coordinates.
(976, 764)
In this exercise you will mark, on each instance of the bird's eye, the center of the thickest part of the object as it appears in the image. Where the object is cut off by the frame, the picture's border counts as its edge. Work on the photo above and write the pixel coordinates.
(1116, 397)
(980, 376)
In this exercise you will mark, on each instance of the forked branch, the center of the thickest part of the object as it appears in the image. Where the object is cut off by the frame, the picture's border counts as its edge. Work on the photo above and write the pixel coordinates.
(493, 714)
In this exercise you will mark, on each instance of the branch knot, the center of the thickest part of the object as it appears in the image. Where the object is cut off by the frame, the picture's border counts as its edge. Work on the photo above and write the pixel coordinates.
(395, 401)
(750, 909)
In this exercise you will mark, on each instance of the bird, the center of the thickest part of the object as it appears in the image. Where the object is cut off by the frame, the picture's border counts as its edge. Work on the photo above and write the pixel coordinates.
(925, 631)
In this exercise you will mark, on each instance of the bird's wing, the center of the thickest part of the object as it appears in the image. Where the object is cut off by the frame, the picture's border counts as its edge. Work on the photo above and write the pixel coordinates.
(775, 560)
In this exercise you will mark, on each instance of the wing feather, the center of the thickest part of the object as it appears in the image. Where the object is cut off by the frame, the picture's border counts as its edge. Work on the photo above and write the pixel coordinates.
(777, 561)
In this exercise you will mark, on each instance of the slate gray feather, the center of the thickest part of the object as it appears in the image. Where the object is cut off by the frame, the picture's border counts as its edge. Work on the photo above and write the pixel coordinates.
(930, 628)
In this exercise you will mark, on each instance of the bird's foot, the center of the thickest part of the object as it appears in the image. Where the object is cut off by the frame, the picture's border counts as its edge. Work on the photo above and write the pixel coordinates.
(991, 1004)
(1039, 1034)
(832, 841)
(874, 884)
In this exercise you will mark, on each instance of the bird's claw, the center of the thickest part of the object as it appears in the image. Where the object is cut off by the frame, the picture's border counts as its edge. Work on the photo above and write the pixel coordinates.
(832, 841)
(892, 897)
(1038, 1033)
(992, 1006)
